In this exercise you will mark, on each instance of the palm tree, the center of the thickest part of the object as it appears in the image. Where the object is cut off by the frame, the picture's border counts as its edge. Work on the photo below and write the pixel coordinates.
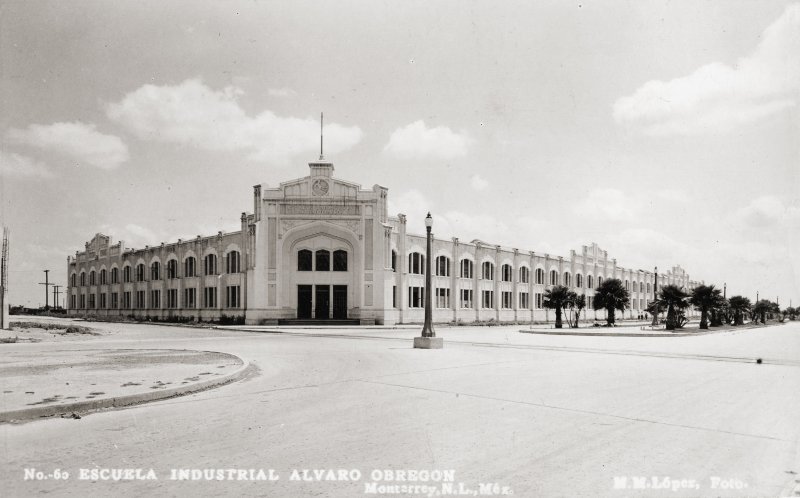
(705, 297)
(611, 295)
(761, 309)
(557, 298)
(739, 306)
(578, 303)
(674, 299)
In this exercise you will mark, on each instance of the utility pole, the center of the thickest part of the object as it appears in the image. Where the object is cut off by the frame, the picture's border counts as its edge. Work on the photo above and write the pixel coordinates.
(46, 284)
(4, 307)
(56, 292)
(655, 297)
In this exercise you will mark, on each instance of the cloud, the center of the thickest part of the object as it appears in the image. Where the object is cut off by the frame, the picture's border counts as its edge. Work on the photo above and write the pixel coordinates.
(80, 141)
(193, 114)
(478, 183)
(281, 92)
(768, 211)
(417, 141)
(16, 165)
(608, 204)
(717, 97)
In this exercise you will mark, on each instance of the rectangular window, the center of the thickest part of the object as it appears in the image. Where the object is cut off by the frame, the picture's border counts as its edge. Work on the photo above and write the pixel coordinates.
(189, 298)
(523, 301)
(442, 298)
(589, 300)
(83, 301)
(92, 301)
(72, 302)
(114, 300)
(210, 297)
(233, 295)
(103, 302)
(155, 299)
(538, 300)
(126, 300)
(394, 296)
(507, 298)
(466, 298)
(140, 297)
(488, 299)
(416, 297)
(172, 298)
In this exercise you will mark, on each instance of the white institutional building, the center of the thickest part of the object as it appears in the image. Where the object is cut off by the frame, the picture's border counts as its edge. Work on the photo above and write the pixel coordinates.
(320, 248)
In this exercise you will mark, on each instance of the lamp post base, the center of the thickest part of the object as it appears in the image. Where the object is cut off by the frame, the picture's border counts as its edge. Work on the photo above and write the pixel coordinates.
(428, 343)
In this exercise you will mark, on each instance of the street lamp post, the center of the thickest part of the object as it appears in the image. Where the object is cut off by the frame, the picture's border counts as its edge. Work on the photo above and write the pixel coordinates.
(428, 339)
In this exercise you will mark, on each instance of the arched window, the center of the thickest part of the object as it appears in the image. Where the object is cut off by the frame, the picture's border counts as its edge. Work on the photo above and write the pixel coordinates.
(115, 275)
(210, 264)
(443, 266)
(553, 277)
(627, 285)
(323, 260)
(189, 266)
(507, 273)
(340, 260)
(567, 279)
(641, 286)
(92, 278)
(155, 271)
(83, 278)
(589, 282)
(599, 281)
(578, 280)
(172, 268)
(234, 263)
(72, 280)
(539, 276)
(126, 273)
(304, 260)
(394, 260)
(103, 277)
(416, 263)
(487, 270)
(467, 268)
(648, 287)
(140, 272)
(524, 274)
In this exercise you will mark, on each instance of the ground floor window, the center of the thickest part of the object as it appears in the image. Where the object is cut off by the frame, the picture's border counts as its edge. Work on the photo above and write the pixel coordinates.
(92, 301)
(210, 297)
(394, 294)
(103, 303)
(589, 300)
(523, 301)
(155, 299)
(442, 298)
(72, 301)
(126, 300)
(83, 301)
(114, 300)
(507, 299)
(466, 298)
(140, 296)
(172, 298)
(538, 300)
(416, 297)
(487, 299)
(190, 298)
(233, 296)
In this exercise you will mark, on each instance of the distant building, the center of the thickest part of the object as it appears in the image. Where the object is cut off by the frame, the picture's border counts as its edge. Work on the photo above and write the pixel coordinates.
(320, 248)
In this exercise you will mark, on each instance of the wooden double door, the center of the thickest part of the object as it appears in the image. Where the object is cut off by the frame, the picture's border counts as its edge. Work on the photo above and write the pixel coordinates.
(325, 301)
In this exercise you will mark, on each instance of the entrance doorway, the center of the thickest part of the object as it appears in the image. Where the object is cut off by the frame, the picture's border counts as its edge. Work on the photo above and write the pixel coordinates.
(339, 302)
(323, 302)
(304, 301)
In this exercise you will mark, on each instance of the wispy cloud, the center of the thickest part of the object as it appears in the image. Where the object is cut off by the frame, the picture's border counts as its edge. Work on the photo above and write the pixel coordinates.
(281, 92)
(79, 141)
(17, 165)
(478, 183)
(191, 113)
(417, 141)
(718, 97)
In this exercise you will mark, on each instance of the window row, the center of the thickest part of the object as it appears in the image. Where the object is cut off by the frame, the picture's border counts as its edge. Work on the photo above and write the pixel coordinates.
(321, 260)
(139, 273)
(137, 299)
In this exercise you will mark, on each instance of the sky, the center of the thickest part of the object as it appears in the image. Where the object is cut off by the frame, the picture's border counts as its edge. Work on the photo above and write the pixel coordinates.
(667, 132)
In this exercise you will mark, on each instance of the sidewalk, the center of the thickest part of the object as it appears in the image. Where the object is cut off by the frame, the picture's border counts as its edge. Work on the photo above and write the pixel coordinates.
(38, 384)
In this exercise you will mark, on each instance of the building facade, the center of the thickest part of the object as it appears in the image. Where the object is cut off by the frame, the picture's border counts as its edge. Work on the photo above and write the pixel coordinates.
(319, 248)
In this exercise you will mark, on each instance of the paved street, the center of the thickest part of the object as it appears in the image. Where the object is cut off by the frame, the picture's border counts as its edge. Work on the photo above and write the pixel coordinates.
(542, 415)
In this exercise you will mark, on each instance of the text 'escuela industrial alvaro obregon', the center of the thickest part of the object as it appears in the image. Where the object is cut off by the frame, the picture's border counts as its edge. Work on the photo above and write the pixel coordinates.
(320, 248)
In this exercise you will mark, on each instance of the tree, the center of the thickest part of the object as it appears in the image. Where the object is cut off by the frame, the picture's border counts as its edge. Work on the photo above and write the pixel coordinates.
(705, 297)
(578, 304)
(790, 312)
(557, 298)
(761, 308)
(611, 295)
(675, 300)
(739, 306)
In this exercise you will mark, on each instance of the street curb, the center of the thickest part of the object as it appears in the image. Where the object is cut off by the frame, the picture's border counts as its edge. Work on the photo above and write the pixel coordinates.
(129, 400)
(622, 334)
